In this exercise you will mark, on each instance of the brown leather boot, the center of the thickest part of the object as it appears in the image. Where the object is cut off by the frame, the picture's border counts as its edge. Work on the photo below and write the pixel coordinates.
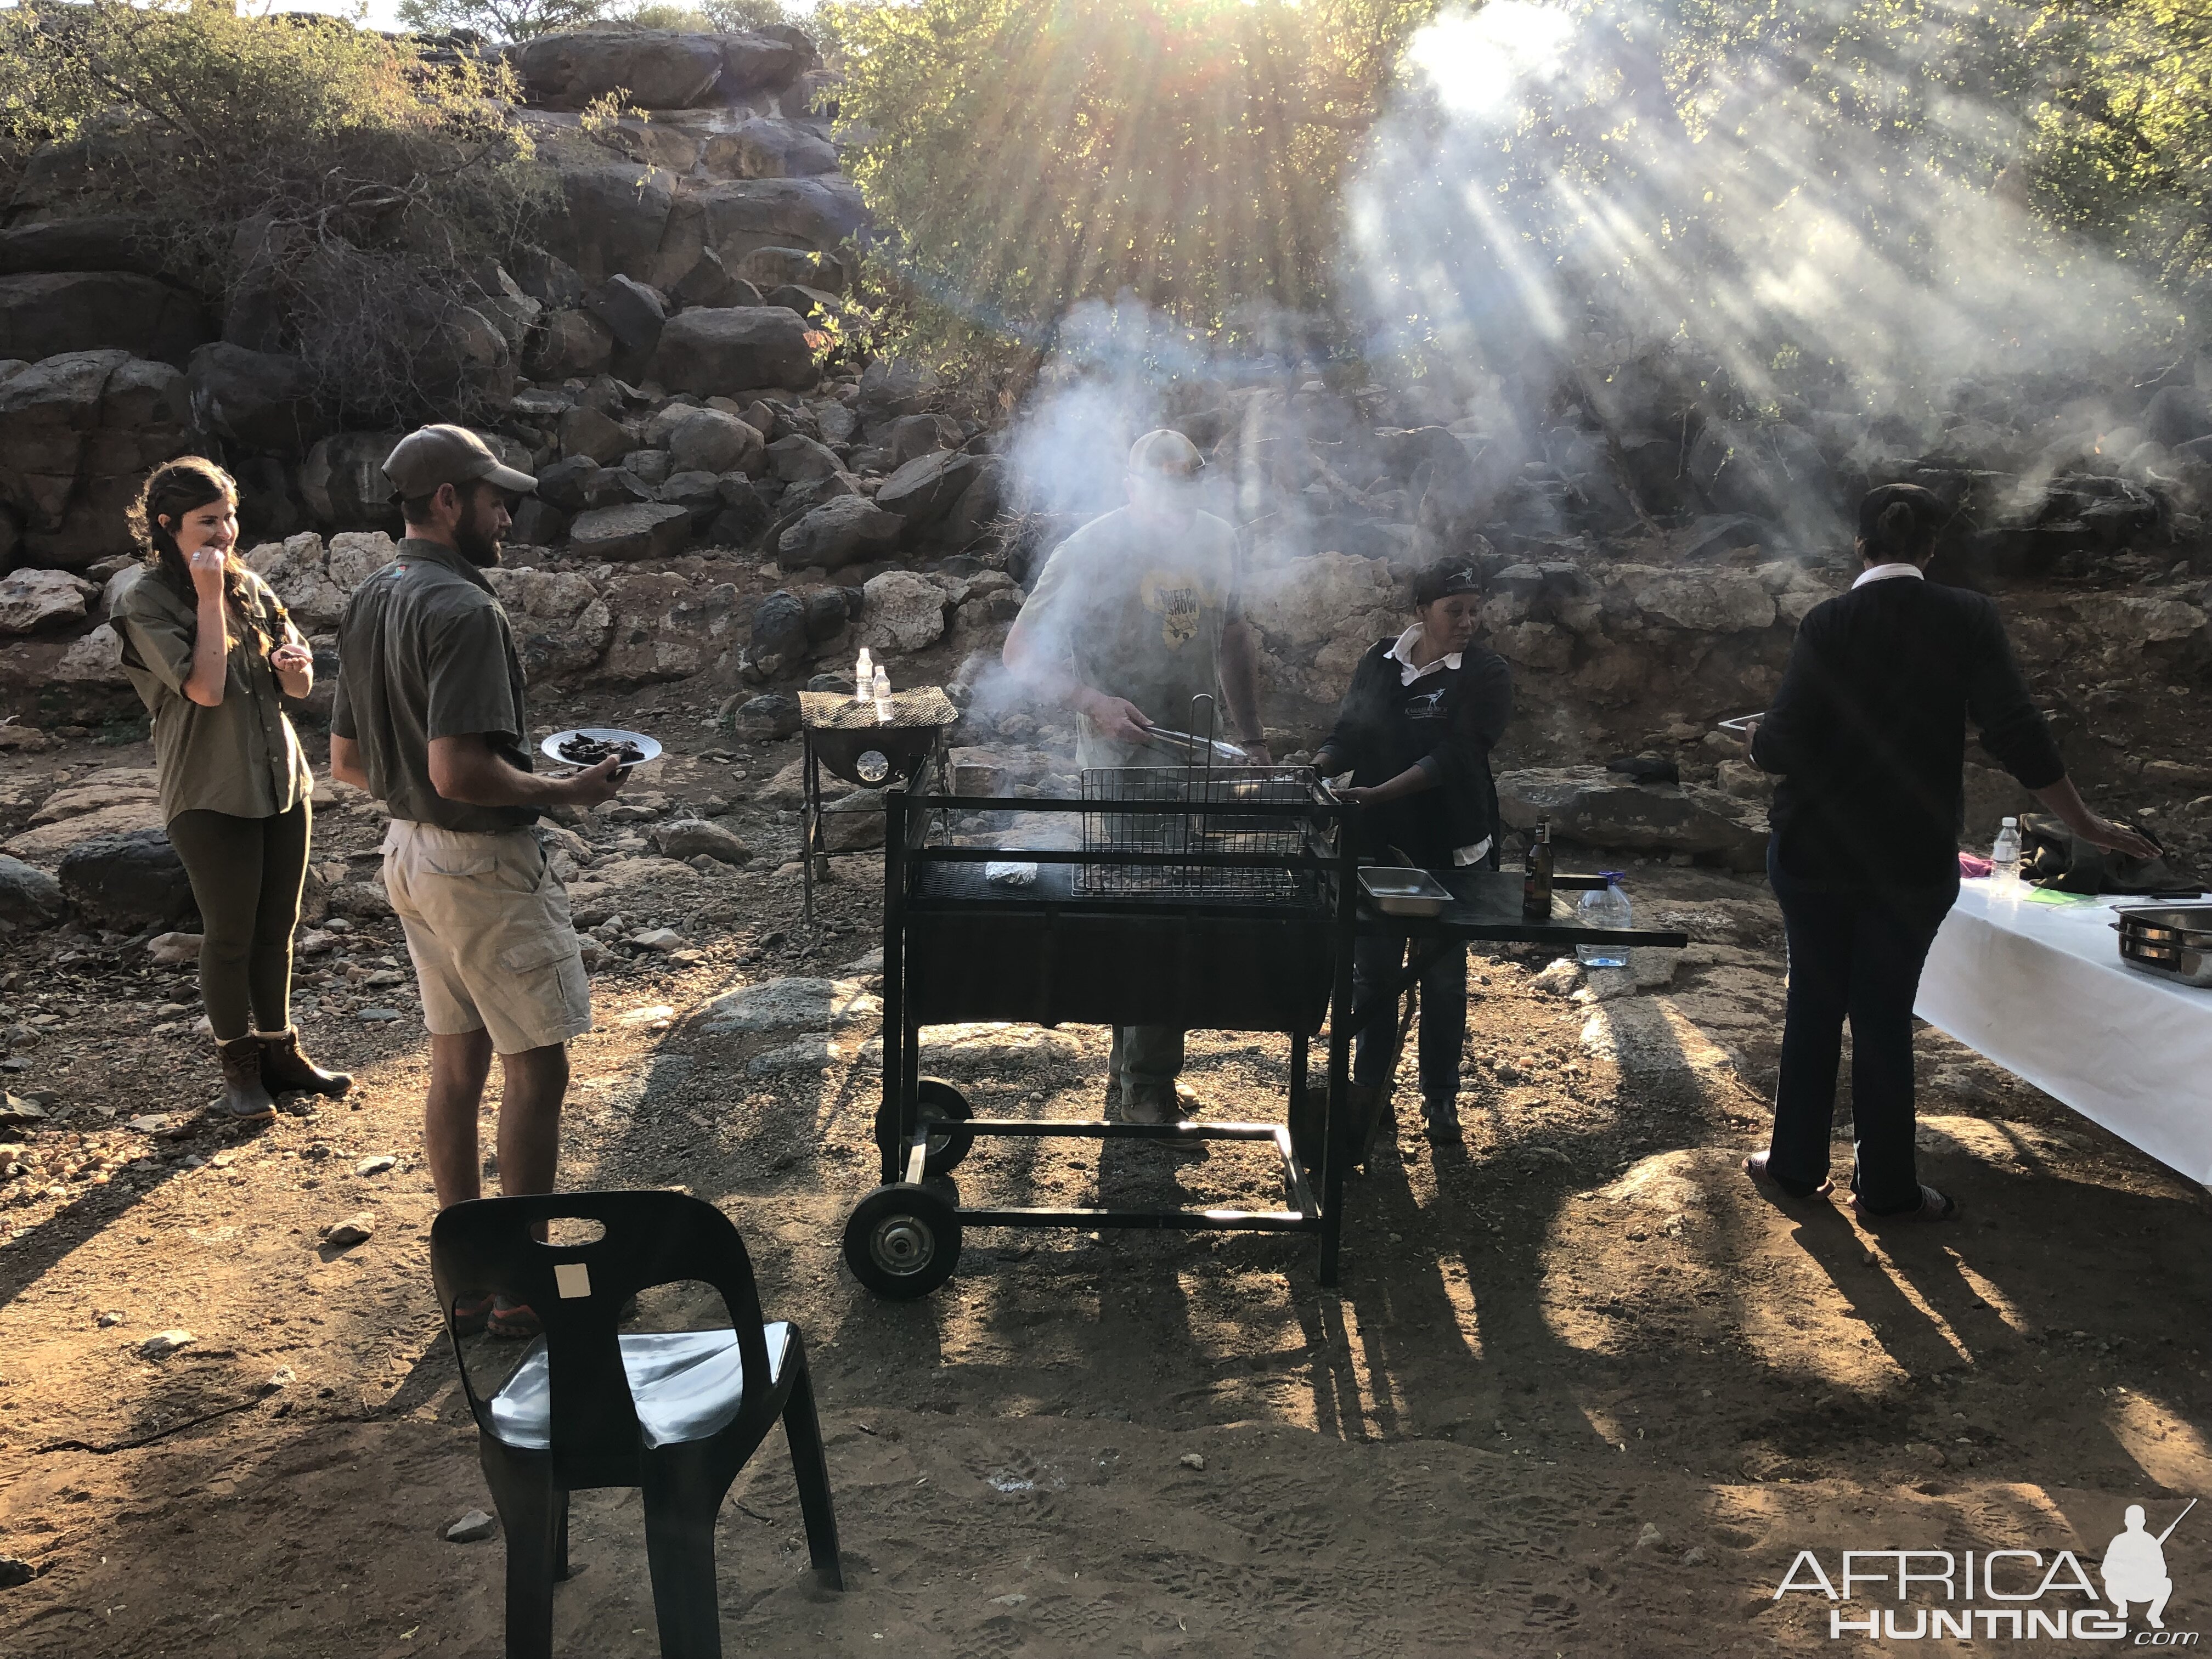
(286, 1071)
(244, 1098)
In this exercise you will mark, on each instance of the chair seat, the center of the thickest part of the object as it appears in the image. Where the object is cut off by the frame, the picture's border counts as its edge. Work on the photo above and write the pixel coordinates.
(685, 1385)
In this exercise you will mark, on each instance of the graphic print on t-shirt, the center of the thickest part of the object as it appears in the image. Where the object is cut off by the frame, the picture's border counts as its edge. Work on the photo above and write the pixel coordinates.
(1426, 706)
(1176, 597)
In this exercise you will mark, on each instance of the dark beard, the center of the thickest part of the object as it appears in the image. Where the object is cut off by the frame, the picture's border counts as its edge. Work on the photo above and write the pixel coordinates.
(479, 547)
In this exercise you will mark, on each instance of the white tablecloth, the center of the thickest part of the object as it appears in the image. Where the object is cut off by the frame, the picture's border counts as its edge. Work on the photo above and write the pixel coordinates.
(2041, 990)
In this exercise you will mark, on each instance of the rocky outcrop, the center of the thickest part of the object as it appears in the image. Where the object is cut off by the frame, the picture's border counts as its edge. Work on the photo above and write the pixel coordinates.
(129, 882)
(727, 349)
(1594, 807)
(40, 601)
(78, 434)
(47, 313)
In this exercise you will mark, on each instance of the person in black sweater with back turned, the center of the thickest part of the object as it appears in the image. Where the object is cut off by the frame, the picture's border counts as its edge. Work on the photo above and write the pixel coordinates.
(1868, 733)
(1416, 729)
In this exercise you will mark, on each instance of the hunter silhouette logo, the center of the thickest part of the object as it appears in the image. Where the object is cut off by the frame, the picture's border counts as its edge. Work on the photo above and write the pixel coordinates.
(2014, 1594)
(2135, 1567)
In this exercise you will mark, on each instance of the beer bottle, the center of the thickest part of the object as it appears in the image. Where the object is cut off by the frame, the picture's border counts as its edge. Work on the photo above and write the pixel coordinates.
(1536, 880)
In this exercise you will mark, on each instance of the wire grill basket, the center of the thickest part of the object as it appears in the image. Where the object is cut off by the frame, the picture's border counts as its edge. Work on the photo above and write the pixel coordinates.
(1200, 811)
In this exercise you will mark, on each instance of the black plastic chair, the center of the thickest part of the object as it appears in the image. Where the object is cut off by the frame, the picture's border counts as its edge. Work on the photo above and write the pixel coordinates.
(675, 1414)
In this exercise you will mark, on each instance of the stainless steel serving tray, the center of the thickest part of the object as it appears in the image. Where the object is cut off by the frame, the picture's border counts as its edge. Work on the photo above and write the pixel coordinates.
(1403, 892)
(2173, 941)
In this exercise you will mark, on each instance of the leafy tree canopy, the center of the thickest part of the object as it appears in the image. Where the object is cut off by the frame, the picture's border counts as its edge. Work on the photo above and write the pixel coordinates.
(1029, 154)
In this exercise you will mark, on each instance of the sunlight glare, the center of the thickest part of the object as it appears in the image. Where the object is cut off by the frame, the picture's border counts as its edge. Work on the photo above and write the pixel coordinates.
(1477, 61)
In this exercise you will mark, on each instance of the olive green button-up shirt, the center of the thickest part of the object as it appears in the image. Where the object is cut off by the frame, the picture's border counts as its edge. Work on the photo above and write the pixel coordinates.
(240, 757)
(425, 651)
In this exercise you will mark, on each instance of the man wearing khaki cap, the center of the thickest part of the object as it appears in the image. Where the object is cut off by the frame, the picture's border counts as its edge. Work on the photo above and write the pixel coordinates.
(1131, 616)
(430, 717)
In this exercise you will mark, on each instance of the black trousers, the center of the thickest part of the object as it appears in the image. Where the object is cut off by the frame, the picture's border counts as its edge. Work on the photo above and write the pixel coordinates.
(1855, 954)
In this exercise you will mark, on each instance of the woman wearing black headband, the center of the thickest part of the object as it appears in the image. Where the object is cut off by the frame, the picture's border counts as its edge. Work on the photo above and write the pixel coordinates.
(1416, 729)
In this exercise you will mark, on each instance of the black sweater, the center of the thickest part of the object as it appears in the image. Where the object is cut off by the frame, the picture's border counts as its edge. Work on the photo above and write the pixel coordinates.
(1868, 733)
(1446, 723)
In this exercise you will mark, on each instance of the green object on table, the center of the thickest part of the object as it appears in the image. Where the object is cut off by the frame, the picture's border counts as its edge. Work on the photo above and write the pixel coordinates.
(2051, 895)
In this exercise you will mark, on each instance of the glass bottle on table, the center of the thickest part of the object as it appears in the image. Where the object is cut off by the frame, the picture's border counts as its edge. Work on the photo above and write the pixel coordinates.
(1536, 877)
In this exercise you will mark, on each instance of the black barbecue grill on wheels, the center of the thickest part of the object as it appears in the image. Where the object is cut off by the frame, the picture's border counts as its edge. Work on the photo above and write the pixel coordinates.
(851, 738)
(1207, 896)
(1215, 898)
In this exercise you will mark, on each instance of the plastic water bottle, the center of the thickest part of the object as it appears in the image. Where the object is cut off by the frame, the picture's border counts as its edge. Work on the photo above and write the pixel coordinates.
(864, 676)
(879, 688)
(1603, 906)
(2004, 861)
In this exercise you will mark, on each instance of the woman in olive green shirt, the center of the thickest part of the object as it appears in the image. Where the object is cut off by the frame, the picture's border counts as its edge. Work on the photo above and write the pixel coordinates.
(210, 649)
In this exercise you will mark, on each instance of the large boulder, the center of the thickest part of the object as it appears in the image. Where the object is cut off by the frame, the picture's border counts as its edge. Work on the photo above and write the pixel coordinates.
(586, 433)
(129, 882)
(562, 623)
(924, 489)
(78, 434)
(354, 555)
(780, 634)
(714, 441)
(1711, 600)
(106, 241)
(34, 601)
(627, 533)
(733, 217)
(95, 659)
(798, 459)
(343, 483)
(294, 570)
(891, 387)
(633, 314)
(785, 267)
(1594, 807)
(616, 219)
(568, 344)
(710, 282)
(720, 349)
(45, 313)
(901, 611)
(1318, 614)
(768, 148)
(755, 61)
(849, 530)
(652, 69)
(29, 898)
(258, 399)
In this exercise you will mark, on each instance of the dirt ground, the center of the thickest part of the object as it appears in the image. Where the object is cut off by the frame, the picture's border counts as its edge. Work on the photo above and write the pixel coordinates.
(1580, 1392)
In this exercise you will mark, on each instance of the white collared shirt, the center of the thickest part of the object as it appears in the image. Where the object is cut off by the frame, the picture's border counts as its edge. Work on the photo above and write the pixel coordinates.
(1883, 573)
(1402, 655)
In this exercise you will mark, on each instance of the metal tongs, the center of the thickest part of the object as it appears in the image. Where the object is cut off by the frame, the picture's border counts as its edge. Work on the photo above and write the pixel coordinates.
(1195, 747)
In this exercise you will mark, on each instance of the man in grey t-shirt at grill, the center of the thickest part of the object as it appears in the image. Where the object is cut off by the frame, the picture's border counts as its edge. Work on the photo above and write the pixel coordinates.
(1132, 616)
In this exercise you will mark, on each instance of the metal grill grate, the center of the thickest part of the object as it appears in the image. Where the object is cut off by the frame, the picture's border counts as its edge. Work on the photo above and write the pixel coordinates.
(834, 711)
(1198, 813)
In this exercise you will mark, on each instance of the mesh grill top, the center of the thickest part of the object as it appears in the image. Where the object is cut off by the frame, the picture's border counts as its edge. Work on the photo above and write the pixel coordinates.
(833, 711)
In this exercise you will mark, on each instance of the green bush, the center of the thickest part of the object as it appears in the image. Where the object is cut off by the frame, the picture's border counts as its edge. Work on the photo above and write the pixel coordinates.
(364, 177)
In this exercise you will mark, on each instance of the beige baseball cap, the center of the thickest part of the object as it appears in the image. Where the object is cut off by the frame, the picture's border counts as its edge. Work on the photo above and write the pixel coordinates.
(434, 455)
(1166, 452)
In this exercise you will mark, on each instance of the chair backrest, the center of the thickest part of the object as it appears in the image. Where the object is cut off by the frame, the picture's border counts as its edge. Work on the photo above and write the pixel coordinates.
(487, 1246)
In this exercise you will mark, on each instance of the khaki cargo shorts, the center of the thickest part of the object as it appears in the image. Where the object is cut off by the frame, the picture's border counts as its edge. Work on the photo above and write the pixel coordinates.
(489, 928)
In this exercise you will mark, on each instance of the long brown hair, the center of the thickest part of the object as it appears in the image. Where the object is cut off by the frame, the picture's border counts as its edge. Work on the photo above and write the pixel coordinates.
(171, 491)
